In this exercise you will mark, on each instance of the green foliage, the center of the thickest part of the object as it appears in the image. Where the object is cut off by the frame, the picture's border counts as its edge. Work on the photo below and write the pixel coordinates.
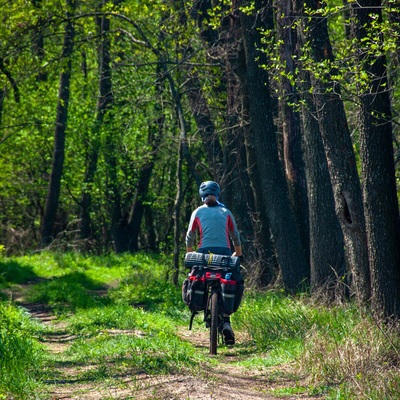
(11, 271)
(65, 293)
(21, 355)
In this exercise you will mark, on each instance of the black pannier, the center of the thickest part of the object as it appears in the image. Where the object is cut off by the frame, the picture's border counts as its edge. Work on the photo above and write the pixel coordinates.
(232, 288)
(193, 289)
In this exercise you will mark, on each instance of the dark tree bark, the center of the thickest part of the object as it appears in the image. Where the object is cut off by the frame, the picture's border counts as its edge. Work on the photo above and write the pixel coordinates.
(241, 167)
(53, 193)
(234, 179)
(226, 154)
(272, 184)
(378, 171)
(327, 258)
(205, 125)
(339, 152)
(118, 221)
(290, 120)
(263, 247)
(104, 103)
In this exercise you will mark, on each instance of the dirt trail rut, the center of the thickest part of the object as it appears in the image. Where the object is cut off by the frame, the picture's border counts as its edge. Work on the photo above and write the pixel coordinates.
(223, 381)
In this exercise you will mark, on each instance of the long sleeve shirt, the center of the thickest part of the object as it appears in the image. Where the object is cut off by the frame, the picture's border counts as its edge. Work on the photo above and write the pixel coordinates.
(215, 226)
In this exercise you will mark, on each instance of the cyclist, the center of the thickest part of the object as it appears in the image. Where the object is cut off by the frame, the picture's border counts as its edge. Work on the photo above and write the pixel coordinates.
(215, 226)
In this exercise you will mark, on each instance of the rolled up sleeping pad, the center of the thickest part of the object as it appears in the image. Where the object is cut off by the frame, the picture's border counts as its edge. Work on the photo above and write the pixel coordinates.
(216, 260)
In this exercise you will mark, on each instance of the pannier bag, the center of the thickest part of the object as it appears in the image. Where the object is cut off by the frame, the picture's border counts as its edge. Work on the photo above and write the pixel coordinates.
(232, 288)
(194, 286)
(193, 289)
(216, 260)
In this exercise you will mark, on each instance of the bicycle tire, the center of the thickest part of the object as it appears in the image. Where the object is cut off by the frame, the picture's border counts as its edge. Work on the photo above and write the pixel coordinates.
(214, 322)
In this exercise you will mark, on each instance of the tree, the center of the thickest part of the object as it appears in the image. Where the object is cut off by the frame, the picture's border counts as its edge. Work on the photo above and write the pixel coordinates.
(326, 246)
(60, 129)
(262, 138)
(337, 144)
(377, 161)
(104, 103)
(327, 259)
(290, 119)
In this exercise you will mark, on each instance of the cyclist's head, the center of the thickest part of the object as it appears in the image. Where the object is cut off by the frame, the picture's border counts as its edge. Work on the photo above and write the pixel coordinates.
(209, 188)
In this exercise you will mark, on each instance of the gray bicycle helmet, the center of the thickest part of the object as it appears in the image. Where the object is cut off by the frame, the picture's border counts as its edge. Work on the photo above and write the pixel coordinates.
(209, 187)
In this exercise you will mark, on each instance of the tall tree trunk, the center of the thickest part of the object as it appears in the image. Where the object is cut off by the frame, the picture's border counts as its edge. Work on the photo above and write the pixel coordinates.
(274, 191)
(225, 152)
(327, 258)
(104, 103)
(234, 180)
(53, 193)
(378, 171)
(119, 222)
(177, 210)
(339, 152)
(250, 210)
(290, 120)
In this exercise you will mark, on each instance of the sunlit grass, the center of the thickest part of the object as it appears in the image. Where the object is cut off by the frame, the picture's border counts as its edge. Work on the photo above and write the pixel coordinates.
(118, 316)
(21, 354)
(153, 353)
(344, 355)
(123, 316)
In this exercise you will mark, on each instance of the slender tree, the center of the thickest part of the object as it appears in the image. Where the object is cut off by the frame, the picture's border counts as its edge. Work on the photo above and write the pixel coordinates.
(53, 194)
(104, 103)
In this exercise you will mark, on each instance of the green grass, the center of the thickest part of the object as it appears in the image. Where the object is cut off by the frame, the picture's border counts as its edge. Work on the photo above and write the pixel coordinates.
(345, 355)
(21, 354)
(122, 314)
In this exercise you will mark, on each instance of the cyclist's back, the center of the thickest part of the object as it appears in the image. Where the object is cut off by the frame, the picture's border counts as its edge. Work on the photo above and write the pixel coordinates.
(216, 228)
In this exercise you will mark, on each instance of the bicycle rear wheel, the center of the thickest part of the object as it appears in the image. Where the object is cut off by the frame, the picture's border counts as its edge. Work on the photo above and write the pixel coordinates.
(214, 322)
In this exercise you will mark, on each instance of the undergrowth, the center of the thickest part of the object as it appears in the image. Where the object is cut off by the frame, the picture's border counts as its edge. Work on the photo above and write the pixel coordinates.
(344, 354)
(21, 354)
(123, 314)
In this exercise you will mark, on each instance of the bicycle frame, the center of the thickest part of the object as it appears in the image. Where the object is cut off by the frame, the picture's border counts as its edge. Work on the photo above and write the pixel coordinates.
(212, 314)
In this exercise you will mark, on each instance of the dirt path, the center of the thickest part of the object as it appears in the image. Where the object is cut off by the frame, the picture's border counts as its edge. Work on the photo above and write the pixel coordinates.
(225, 381)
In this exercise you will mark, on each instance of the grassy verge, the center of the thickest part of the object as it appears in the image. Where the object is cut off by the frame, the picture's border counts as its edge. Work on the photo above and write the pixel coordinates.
(343, 355)
(123, 315)
(21, 354)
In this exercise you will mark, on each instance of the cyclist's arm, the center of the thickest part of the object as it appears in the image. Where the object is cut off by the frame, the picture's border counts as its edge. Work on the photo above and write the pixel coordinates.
(238, 251)
(191, 232)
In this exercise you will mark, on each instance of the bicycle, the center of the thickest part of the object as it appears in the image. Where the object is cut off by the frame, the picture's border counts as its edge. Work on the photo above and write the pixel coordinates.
(211, 289)
(212, 313)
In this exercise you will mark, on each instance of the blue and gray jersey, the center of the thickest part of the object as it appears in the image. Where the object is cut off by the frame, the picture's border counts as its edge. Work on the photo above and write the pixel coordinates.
(215, 227)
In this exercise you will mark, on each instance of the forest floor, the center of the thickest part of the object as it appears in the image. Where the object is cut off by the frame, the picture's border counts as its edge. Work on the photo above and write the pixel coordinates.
(221, 380)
